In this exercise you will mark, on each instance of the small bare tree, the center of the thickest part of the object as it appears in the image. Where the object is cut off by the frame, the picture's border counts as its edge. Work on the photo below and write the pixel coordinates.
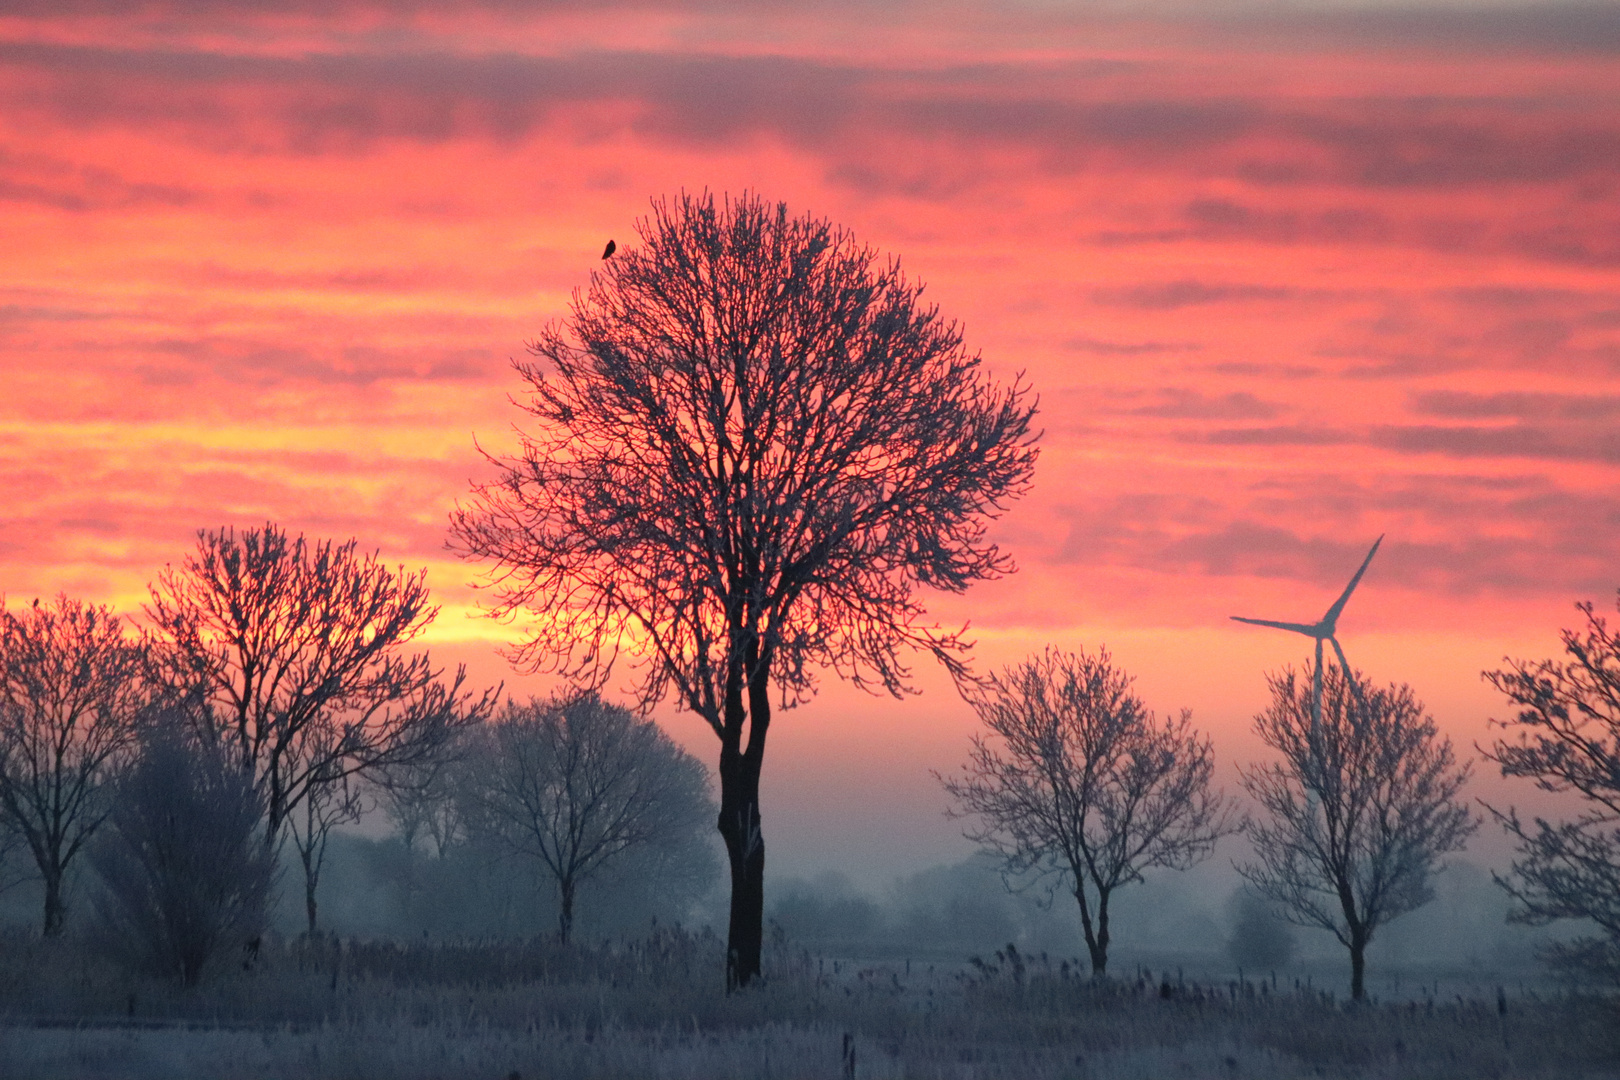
(326, 804)
(576, 782)
(185, 874)
(1358, 811)
(420, 796)
(1568, 740)
(72, 691)
(1076, 777)
(300, 646)
(753, 443)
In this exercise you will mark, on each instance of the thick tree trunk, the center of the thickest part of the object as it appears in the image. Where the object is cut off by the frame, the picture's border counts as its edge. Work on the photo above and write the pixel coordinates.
(1096, 932)
(1360, 935)
(1099, 957)
(745, 849)
(55, 905)
(565, 910)
(739, 817)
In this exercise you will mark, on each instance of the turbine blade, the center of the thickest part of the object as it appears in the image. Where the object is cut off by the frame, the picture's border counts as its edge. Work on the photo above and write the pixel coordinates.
(1349, 676)
(1330, 620)
(1308, 629)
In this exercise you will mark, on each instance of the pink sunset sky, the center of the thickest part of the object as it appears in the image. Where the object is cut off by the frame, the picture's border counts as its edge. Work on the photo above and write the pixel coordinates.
(1285, 276)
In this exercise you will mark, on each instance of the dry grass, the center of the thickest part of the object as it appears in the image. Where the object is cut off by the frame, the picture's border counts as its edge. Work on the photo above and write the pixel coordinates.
(654, 1008)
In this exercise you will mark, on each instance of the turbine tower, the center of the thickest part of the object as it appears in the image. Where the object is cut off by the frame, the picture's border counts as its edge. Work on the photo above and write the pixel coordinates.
(1324, 631)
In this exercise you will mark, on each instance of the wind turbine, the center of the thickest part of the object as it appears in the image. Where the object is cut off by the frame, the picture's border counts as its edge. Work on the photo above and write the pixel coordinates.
(1324, 631)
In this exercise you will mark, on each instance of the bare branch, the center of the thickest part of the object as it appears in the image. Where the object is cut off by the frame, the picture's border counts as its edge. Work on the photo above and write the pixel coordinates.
(1567, 739)
(185, 875)
(298, 646)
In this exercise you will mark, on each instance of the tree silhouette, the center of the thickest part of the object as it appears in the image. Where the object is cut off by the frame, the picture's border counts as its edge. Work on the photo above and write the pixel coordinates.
(753, 443)
(72, 690)
(1568, 729)
(300, 650)
(1078, 778)
(577, 783)
(1357, 812)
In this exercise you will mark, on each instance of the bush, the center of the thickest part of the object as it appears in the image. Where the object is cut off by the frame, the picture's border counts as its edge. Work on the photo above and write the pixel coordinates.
(184, 867)
(1260, 939)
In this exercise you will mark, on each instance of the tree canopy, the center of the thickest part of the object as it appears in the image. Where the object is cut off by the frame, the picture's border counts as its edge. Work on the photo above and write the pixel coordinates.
(299, 650)
(577, 783)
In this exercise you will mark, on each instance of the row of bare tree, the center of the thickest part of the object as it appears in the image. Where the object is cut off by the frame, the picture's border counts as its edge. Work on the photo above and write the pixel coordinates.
(1077, 778)
(288, 658)
(1074, 778)
(268, 698)
(752, 445)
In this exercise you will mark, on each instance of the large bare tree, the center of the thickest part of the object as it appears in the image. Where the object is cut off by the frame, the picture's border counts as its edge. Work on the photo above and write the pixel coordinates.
(577, 783)
(300, 647)
(1075, 776)
(72, 692)
(753, 441)
(1358, 811)
(1568, 740)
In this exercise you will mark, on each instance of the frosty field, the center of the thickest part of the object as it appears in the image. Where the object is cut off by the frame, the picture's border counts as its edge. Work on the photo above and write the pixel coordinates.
(655, 1008)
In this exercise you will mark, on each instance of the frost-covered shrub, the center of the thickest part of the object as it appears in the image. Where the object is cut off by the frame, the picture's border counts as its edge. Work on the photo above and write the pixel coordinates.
(184, 869)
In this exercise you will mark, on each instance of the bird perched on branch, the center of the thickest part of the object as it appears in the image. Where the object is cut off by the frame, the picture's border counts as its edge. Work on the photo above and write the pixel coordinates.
(607, 252)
